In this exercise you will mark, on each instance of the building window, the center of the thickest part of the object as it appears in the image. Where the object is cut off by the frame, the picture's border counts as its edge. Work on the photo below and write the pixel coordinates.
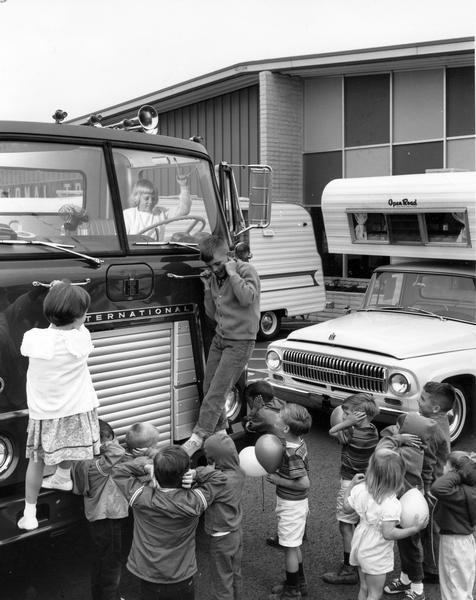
(416, 158)
(367, 109)
(319, 169)
(460, 101)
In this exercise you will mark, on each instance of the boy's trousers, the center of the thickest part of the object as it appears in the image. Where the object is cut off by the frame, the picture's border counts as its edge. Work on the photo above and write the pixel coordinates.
(457, 566)
(106, 558)
(411, 557)
(225, 566)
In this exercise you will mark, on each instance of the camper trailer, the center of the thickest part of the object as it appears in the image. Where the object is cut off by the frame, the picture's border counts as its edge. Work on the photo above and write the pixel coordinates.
(289, 266)
(418, 318)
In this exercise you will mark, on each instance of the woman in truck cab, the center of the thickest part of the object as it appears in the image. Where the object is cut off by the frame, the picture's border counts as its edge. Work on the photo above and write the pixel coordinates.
(144, 211)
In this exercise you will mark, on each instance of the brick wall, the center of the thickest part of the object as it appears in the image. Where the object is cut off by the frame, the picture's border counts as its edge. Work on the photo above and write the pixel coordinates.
(281, 133)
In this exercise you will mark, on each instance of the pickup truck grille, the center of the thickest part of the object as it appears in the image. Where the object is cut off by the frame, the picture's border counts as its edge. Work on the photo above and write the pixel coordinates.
(337, 372)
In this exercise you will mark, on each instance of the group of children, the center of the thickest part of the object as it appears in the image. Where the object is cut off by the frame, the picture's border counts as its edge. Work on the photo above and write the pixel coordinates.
(413, 453)
(167, 498)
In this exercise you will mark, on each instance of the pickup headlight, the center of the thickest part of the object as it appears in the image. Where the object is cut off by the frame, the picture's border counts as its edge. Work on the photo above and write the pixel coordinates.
(6, 454)
(399, 384)
(273, 360)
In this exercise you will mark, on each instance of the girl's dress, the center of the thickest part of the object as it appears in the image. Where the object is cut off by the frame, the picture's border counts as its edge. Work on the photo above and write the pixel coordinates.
(63, 423)
(370, 551)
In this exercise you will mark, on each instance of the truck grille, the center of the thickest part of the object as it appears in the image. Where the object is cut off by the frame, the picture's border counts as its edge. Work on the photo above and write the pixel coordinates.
(146, 374)
(337, 372)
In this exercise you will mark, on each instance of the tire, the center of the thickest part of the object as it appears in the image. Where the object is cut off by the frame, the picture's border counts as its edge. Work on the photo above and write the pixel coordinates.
(269, 325)
(458, 416)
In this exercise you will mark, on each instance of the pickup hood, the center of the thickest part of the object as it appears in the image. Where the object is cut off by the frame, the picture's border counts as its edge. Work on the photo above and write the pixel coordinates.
(392, 334)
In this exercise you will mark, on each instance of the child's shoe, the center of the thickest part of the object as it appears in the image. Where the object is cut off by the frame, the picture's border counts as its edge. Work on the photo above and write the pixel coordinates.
(288, 592)
(28, 523)
(57, 483)
(347, 575)
(412, 595)
(277, 589)
(396, 586)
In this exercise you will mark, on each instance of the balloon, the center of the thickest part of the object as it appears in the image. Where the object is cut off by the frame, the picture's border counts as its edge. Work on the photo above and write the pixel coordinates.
(249, 463)
(337, 415)
(413, 504)
(269, 452)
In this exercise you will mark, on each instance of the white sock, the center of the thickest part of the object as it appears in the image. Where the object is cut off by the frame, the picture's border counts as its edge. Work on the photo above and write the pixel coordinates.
(30, 509)
(417, 588)
(63, 473)
(404, 578)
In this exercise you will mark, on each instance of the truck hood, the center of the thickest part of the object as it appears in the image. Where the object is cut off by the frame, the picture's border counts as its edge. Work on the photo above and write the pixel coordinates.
(392, 334)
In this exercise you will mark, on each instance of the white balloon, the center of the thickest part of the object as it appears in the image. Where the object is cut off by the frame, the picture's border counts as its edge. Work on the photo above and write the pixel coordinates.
(413, 504)
(249, 463)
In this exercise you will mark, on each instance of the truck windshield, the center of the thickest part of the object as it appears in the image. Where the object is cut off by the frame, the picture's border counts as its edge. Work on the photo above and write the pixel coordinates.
(166, 198)
(431, 294)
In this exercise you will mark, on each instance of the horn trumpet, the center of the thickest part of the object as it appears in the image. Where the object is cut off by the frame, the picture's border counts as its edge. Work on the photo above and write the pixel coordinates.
(147, 120)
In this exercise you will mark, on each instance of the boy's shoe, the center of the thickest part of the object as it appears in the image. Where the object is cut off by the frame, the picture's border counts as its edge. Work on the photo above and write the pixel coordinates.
(273, 541)
(347, 575)
(278, 589)
(57, 483)
(396, 586)
(28, 523)
(411, 595)
(193, 444)
(287, 592)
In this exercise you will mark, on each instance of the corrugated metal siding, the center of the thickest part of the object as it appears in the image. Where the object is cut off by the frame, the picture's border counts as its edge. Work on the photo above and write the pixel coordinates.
(147, 374)
(227, 123)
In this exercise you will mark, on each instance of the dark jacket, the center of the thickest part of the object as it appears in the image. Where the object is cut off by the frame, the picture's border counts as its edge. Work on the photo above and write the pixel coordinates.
(235, 304)
(165, 521)
(93, 480)
(263, 416)
(455, 510)
(419, 462)
(225, 513)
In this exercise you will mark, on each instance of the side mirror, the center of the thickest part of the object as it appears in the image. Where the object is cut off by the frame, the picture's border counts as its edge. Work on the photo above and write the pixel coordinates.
(259, 214)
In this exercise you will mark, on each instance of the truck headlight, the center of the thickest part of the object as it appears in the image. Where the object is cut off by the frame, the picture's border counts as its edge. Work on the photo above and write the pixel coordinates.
(399, 384)
(273, 360)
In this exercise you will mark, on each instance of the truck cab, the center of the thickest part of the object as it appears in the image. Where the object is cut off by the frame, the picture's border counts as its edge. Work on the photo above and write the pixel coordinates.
(65, 195)
(418, 318)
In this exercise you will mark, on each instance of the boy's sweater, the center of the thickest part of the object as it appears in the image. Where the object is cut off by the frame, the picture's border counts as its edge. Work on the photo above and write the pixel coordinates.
(358, 444)
(165, 521)
(225, 513)
(443, 447)
(93, 480)
(455, 510)
(234, 304)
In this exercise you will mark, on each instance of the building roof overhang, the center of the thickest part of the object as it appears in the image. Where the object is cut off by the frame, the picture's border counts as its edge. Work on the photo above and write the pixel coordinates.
(452, 52)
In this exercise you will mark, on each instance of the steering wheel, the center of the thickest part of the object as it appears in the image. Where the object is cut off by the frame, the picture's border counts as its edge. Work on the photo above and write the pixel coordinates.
(25, 235)
(199, 221)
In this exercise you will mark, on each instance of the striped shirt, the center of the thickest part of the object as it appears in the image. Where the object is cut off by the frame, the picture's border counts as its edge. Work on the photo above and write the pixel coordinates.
(358, 446)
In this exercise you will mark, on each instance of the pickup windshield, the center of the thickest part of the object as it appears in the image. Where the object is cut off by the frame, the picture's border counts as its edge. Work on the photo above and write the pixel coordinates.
(429, 294)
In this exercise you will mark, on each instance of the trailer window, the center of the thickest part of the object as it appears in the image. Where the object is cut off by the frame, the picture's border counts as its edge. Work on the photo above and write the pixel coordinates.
(165, 197)
(56, 193)
(447, 227)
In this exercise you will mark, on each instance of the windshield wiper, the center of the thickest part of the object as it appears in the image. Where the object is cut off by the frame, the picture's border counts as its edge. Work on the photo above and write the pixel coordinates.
(189, 245)
(397, 307)
(96, 262)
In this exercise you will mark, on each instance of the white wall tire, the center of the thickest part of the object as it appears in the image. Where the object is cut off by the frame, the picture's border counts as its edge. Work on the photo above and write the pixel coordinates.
(269, 325)
(459, 413)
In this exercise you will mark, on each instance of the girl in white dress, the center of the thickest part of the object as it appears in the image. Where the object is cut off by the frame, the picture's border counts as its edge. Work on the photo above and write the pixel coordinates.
(63, 424)
(374, 498)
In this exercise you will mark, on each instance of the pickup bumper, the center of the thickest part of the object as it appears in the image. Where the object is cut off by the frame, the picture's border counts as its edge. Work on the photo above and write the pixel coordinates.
(315, 400)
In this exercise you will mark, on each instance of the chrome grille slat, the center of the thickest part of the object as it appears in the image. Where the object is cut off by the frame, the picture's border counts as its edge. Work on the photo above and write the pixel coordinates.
(335, 371)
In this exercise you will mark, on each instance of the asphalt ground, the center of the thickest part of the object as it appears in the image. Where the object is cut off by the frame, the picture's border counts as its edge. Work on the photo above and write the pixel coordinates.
(58, 568)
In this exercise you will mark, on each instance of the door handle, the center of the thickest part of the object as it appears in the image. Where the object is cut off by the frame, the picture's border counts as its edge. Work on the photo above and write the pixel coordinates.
(48, 285)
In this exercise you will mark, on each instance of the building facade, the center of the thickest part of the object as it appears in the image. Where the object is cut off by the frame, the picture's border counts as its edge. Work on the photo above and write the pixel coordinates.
(380, 111)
